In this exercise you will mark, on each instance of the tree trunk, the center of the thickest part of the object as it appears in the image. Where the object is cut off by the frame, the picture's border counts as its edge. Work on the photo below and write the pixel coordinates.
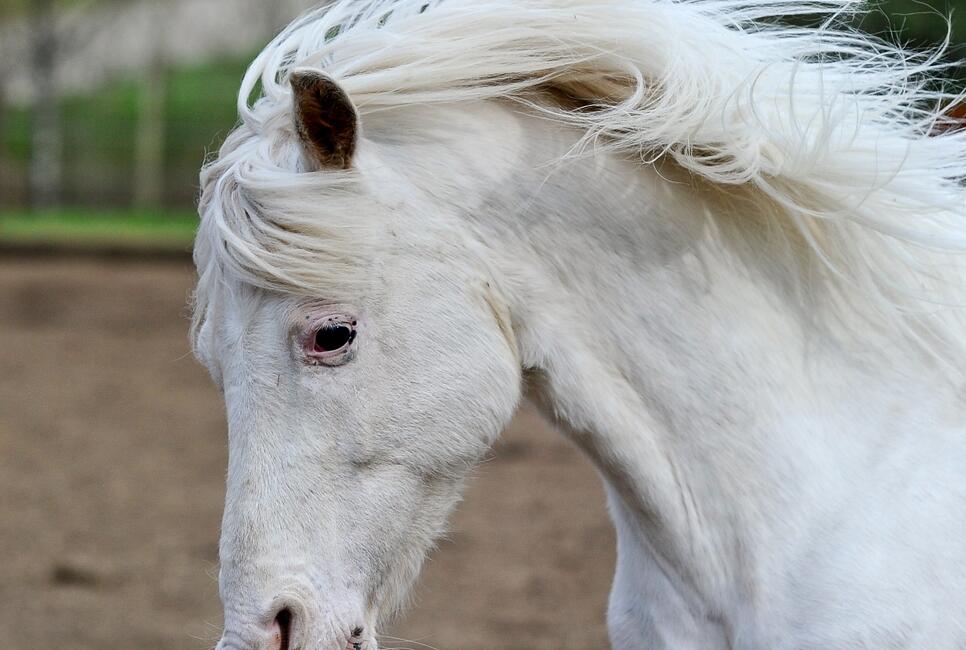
(46, 146)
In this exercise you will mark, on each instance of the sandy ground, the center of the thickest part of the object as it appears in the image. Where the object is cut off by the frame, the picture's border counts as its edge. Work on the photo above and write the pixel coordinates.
(112, 458)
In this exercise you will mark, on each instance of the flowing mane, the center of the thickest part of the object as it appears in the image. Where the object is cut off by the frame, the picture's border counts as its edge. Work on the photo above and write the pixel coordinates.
(740, 293)
(828, 129)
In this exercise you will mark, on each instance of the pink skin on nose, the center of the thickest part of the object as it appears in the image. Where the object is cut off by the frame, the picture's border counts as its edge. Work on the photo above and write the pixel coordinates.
(275, 636)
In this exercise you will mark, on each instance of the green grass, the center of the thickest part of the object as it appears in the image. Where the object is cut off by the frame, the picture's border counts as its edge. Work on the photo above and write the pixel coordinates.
(129, 229)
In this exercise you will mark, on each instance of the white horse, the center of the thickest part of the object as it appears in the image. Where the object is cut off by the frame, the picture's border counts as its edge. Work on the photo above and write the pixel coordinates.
(723, 252)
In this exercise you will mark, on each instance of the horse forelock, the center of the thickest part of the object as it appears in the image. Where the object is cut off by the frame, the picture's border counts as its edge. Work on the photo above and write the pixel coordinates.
(266, 223)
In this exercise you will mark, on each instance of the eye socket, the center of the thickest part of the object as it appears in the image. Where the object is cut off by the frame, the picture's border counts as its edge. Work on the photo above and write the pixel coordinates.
(333, 337)
(327, 340)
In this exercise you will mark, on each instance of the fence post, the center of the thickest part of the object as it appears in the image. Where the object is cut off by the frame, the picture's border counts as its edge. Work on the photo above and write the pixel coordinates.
(149, 143)
(46, 144)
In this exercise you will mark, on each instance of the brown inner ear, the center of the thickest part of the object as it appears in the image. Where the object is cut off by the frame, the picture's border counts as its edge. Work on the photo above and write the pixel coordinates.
(325, 118)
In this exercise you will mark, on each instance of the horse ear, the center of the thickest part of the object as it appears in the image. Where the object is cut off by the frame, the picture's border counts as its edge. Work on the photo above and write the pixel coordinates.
(325, 118)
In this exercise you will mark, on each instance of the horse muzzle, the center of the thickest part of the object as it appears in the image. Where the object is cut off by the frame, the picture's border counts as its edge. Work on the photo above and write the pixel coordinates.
(292, 625)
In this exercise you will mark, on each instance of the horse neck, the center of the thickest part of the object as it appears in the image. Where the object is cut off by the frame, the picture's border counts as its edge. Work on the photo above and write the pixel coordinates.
(720, 419)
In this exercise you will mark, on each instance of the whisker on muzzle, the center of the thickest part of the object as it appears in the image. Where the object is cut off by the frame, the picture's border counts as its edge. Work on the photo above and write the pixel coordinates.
(413, 641)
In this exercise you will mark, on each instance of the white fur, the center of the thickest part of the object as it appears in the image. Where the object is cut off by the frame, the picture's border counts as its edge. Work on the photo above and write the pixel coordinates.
(716, 250)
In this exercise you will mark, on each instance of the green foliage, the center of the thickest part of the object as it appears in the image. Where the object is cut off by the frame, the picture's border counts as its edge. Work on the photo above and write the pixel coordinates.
(99, 133)
(201, 109)
(924, 22)
(920, 24)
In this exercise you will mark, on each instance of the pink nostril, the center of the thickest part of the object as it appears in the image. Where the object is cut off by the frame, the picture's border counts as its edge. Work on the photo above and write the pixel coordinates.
(282, 630)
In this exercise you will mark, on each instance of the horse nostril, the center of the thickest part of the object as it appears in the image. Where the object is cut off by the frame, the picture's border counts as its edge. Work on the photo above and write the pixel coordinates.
(283, 625)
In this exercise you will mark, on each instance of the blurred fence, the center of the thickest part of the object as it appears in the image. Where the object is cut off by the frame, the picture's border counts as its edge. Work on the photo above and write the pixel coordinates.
(102, 156)
(117, 102)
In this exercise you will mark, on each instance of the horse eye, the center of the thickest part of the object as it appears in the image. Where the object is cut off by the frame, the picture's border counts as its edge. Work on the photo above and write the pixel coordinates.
(333, 337)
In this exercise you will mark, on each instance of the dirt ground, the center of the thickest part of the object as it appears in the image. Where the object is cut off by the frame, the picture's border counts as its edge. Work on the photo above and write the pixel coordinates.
(112, 460)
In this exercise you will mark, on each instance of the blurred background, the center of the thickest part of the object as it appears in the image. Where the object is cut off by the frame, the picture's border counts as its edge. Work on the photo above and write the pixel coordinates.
(112, 447)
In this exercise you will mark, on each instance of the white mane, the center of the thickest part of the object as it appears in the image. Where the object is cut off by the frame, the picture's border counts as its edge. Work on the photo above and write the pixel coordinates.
(829, 127)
